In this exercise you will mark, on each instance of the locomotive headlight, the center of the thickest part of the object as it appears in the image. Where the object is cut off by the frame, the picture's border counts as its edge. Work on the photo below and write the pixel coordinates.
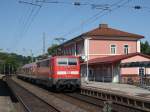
(67, 72)
(61, 72)
(74, 72)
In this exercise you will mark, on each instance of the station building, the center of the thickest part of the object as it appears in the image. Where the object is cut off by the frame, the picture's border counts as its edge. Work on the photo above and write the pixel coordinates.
(106, 52)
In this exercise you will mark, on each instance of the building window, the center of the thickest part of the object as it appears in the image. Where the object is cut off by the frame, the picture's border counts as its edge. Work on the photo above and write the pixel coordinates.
(64, 51)
(141, 71)
(113, 49)
(69, 51)
(126, 49)
(72, 51)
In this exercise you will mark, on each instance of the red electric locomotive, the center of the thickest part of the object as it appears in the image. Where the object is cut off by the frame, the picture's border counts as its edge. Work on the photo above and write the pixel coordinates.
(59, 72)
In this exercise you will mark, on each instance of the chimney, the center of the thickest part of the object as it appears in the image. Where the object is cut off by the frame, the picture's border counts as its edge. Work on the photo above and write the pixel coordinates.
(103, 26)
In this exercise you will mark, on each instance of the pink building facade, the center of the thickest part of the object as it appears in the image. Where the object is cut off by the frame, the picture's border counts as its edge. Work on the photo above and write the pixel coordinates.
(105, 42)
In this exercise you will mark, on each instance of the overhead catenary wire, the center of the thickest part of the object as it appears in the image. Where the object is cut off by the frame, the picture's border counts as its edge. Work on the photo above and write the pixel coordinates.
(30, 3)
(113, 6)
(113, 9)
(34, 12)
(101, 13)
(21, 24)
(140, 7)
(27, 22)
(76, 3)
(29, 19)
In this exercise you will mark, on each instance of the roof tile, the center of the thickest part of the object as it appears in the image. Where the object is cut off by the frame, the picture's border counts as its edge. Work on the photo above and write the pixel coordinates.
(109, 32)
(115, 58)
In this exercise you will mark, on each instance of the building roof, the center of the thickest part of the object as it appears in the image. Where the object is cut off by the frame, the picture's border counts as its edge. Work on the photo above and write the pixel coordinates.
(29, 65)
(112, 59)
(104, 31)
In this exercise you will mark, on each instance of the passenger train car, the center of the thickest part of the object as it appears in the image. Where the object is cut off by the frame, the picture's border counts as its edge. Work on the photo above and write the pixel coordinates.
(58, 72)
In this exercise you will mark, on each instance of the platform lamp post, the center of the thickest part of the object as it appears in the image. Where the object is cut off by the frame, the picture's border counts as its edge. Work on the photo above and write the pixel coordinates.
(3, 64)
(87, 69)
(87, 58)
(9, 68)
(0, 66)
(31, 55)
(4, 68)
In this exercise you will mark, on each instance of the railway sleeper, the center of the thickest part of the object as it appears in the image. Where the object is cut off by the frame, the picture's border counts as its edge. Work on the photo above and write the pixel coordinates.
(118, 99)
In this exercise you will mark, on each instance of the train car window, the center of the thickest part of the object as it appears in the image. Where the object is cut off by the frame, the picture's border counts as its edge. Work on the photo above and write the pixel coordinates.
(62, 61)
(72, 61)
(41, 64)
(47, 63)
(38, 65)
(44, 63)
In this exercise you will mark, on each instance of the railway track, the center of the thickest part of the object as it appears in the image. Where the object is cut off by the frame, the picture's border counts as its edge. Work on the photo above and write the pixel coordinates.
(85, 102)
(123, 101)
(30, 102)
(60, 101)
(104, 103)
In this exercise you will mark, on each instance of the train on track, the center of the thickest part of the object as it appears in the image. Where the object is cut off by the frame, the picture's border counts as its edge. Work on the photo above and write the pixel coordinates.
(58, 72)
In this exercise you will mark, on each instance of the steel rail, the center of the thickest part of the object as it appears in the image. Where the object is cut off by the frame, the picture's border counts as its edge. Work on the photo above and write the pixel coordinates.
(27, 108)
(96, 102)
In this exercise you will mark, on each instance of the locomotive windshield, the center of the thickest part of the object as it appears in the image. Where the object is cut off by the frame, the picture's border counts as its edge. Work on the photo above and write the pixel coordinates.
(66, 61)
(72, 61)
(62, 61)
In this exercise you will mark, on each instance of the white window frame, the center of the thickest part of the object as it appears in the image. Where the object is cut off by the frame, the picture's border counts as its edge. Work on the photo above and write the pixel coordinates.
(124, 49)
(139, 70)
(115, 49)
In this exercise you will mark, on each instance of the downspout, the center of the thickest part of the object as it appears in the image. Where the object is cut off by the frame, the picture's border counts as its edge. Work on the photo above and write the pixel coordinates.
(112, 68)
(75, 45)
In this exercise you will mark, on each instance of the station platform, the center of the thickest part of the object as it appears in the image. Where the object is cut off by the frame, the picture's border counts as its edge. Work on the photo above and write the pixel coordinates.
(6, 104)
(122, 94)
(123, 89)
(1, 76)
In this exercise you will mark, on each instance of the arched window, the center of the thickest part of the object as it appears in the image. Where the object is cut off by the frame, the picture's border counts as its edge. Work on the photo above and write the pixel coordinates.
(126, 49)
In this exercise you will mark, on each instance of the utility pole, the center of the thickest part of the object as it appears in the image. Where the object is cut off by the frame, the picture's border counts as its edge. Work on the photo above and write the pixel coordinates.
(31, 55)
(9, 68)
(87, 59)
(43, 43)
(4, 68)
(60, 40)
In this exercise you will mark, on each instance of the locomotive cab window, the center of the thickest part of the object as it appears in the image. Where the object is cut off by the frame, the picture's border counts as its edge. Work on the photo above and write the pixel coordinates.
(38, 64)
(43, 63)
(62, 61)
(72, 61)
(66, 61)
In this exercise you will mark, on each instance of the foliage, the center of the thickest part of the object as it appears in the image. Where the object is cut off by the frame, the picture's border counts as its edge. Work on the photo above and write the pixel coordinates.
(44, 56)
(52, 50)
(145, 48)
(11, 61)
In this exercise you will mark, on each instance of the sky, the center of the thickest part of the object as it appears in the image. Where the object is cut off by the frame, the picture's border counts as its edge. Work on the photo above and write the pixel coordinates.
(22, 25)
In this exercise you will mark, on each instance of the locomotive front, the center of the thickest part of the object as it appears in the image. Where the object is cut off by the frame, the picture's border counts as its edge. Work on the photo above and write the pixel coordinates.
(67, 73)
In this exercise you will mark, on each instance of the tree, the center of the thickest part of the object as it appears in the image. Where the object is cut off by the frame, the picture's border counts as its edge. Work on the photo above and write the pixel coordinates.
(11, 61)
(52, 50)
(40, 57)
(145, 48)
